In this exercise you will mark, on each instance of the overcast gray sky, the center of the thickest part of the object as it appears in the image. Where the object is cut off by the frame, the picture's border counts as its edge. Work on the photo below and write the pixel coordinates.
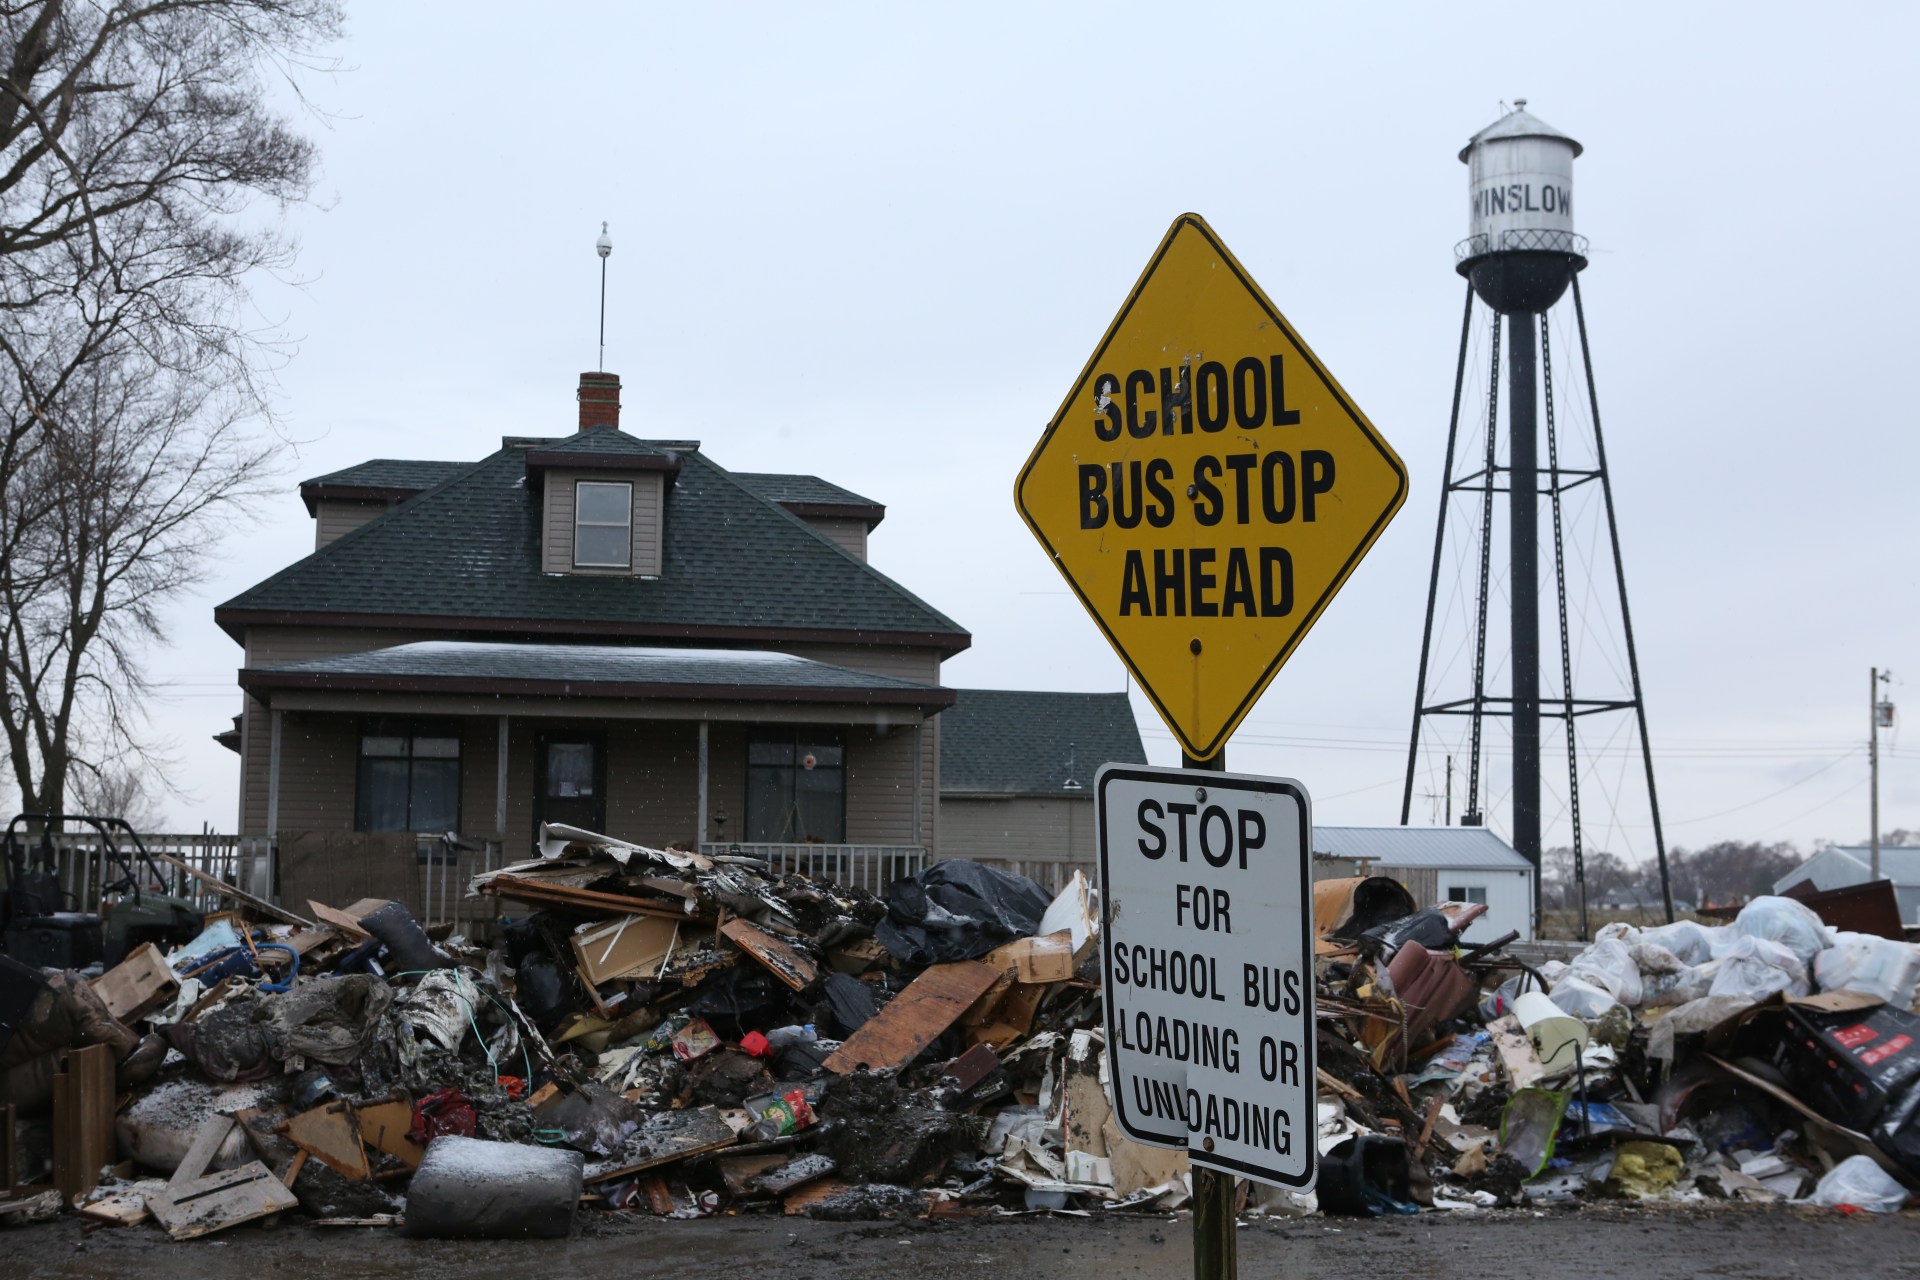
(878, 242)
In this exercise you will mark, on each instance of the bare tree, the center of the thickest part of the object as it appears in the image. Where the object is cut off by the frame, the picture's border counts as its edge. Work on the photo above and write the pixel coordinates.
(138, 142)
(116, 792)
(135, 473)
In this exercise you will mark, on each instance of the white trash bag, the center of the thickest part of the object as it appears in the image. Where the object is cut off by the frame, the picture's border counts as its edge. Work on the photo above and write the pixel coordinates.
(1877, 966)
(1860, 1182)
(1754, 968)
(1690, 940)
(1609, 966)
(1791, 924)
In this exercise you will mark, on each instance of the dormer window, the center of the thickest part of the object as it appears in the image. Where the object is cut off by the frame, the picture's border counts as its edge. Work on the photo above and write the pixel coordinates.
(602, 525)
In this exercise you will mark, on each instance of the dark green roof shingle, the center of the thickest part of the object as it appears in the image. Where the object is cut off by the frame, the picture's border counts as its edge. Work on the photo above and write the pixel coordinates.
(1013, 742)
(390, 473)
(470, 549)
(783, 487)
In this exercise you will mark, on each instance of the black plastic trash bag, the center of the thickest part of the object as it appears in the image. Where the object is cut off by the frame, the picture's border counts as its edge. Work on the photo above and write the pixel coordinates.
(850, 1003)
(958, 910)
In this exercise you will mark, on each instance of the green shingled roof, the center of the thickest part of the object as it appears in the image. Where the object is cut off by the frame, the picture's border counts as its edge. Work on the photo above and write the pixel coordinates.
(469, 549)
(783, 487)
(1010, 742)
(602, 440)
(390, 473)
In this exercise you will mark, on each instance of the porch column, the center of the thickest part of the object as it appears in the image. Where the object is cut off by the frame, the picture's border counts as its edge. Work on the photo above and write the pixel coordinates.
(919, 785)
(273, 775)
(703, 782)
(500, 784)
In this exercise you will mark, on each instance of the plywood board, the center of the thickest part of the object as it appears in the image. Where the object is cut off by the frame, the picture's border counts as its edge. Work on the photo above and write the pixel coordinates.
(342, 921)
(220, 1200)
(331, 1134)
(914, 1019)
(83, 1102)
(781, 958)
(590, 902)
(383, 1127)
(137, 985)
(633, 946)
(121, 1209)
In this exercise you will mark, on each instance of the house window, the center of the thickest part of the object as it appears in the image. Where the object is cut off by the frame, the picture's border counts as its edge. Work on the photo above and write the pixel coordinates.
(602, 525)
(409, 780)
(796, 786)
(1467, 893)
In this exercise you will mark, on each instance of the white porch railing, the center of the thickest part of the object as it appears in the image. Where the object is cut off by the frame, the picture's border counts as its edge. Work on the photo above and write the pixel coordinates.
(84, 869)
(856, 866)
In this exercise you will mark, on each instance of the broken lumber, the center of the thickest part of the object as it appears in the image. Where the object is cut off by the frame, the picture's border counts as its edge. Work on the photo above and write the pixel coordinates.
(780, 957)
(914, 1019)
(634, 946)
(137, 985)
(196, 1203)
(238, 895)
(330, 1133)
(83, 1102)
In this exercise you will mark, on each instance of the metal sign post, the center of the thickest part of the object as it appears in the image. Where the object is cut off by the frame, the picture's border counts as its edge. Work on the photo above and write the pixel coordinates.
(1206, 488)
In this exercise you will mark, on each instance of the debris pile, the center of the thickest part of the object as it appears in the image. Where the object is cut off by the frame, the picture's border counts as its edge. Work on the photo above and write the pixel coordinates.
(654, 1031)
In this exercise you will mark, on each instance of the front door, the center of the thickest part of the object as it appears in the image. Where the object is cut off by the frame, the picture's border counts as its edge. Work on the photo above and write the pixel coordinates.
(570, 785)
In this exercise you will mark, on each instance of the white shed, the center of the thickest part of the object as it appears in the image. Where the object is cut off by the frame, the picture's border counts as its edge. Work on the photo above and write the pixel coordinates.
(1466, 864)
(1841, 865)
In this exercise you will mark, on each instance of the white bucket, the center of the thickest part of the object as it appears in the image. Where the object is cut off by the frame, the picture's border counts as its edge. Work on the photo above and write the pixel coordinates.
(1557, 1036)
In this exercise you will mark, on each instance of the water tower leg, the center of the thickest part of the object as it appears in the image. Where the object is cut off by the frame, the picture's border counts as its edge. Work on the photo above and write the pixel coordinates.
(1524, 588)
(1626, 614)
(1433, 579)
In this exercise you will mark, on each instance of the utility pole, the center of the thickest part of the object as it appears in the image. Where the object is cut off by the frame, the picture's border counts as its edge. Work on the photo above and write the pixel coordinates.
(1449, 821)
(1879, 710)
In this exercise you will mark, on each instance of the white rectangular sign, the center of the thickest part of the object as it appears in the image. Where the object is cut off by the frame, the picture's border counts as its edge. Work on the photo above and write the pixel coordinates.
(1207, 944)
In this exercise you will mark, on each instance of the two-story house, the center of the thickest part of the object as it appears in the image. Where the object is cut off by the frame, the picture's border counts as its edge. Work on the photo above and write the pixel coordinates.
(611, 632)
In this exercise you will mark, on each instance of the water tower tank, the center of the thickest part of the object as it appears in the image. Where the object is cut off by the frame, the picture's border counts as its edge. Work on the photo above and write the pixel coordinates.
(1520, 251)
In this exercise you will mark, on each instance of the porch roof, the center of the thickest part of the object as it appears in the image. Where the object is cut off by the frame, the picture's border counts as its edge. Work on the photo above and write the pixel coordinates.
(586, 670)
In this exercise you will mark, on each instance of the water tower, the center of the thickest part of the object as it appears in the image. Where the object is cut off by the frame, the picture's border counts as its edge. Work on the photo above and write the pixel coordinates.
(1521, 257)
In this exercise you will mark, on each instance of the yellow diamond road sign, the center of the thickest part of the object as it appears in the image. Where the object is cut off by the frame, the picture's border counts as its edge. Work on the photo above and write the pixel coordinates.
(1206, 487)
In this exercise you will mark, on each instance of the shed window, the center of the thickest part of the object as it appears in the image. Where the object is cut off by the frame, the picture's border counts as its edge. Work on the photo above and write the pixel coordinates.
(1467, 893)
(796, 786)
(602, 525)
(409, 780)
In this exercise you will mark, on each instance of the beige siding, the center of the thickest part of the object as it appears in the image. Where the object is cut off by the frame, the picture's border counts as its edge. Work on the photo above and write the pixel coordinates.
(556, 533)
(317, 772)
(333, 517)
(653, 781)
(1017, 828)
(727, 781)
(267, 645)
(849, 534)
(879, 780)
(880, 787)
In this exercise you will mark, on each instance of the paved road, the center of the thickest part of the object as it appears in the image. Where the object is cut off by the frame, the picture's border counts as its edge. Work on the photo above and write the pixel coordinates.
(1725, 1244)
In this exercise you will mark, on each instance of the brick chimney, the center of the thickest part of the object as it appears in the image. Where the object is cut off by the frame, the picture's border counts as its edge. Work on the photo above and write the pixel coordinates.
(599, 397)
